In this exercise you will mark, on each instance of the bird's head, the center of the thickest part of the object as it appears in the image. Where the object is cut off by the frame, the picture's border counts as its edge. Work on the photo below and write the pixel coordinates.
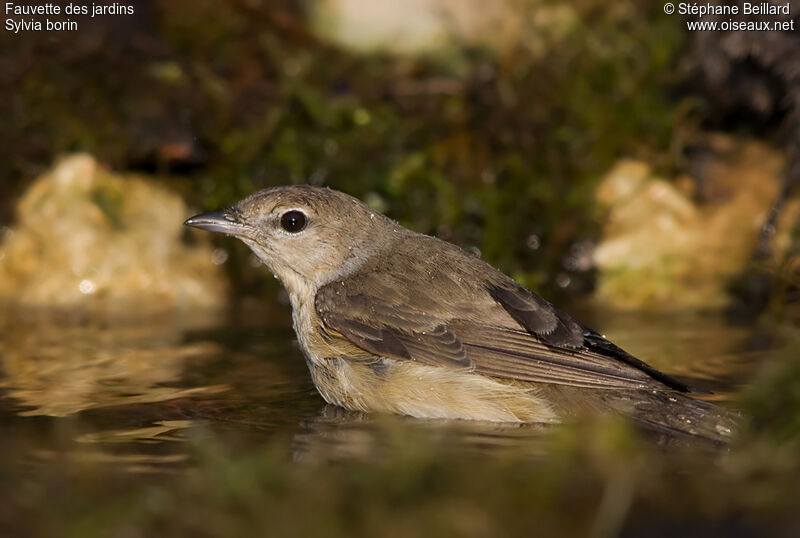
(307, 236)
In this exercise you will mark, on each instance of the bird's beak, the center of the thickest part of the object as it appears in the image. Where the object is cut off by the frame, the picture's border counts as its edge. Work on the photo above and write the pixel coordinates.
(225, 221)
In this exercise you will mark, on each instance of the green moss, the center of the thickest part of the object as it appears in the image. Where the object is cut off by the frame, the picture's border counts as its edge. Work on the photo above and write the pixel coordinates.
(111, 203)
(590, 479)
(774, 398)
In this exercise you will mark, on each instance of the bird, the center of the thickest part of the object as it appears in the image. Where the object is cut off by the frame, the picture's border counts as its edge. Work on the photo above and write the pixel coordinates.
(394, 321)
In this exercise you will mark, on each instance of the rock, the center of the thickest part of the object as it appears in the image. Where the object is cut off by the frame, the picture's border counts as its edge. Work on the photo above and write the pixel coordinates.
(86, 238)
(662, 250)
(428, 26)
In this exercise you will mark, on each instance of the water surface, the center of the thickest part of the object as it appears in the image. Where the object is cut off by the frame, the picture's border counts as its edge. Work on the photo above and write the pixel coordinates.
(132, 392)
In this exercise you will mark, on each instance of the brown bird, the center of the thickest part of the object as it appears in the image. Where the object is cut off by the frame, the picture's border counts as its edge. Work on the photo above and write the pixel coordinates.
(394, 321)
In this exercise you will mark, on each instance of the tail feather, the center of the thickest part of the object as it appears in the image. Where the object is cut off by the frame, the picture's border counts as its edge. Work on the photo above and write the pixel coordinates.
(666, 411)
(676, 413)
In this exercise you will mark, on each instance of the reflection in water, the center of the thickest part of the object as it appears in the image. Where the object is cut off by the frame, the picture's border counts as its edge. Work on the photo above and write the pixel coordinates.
(338, 434)
(163, 430)
(60, 369)
(137, 391)
(131, 463)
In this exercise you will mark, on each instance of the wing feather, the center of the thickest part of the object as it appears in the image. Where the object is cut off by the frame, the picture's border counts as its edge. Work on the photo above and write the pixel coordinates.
(501, 330)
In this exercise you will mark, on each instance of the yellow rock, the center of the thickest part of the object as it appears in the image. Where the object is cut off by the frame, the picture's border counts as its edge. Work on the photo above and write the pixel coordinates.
(85, 237)
(661, 250)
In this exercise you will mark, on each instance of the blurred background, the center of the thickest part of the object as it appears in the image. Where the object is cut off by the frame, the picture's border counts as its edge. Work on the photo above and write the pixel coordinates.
(641, 175)
(558, 140)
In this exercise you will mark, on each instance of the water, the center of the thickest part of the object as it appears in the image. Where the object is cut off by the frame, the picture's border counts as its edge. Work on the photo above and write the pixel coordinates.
(209, 426)
(132, 392)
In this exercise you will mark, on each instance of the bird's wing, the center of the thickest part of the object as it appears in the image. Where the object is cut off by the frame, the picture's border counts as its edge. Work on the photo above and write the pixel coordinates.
(502, 330)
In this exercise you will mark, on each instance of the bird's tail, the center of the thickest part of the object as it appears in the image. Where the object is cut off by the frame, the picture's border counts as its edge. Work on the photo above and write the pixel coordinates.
(674, 413)
(666, 412)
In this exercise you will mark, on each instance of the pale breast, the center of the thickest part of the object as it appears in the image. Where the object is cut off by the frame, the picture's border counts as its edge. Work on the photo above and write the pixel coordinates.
(408, 388)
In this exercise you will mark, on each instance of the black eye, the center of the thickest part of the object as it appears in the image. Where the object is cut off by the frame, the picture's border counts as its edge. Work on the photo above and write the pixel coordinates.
(293, 221)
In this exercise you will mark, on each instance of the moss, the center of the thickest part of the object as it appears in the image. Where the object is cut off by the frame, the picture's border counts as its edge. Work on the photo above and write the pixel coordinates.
(590, 479)
(111, 203)
(774, 398)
